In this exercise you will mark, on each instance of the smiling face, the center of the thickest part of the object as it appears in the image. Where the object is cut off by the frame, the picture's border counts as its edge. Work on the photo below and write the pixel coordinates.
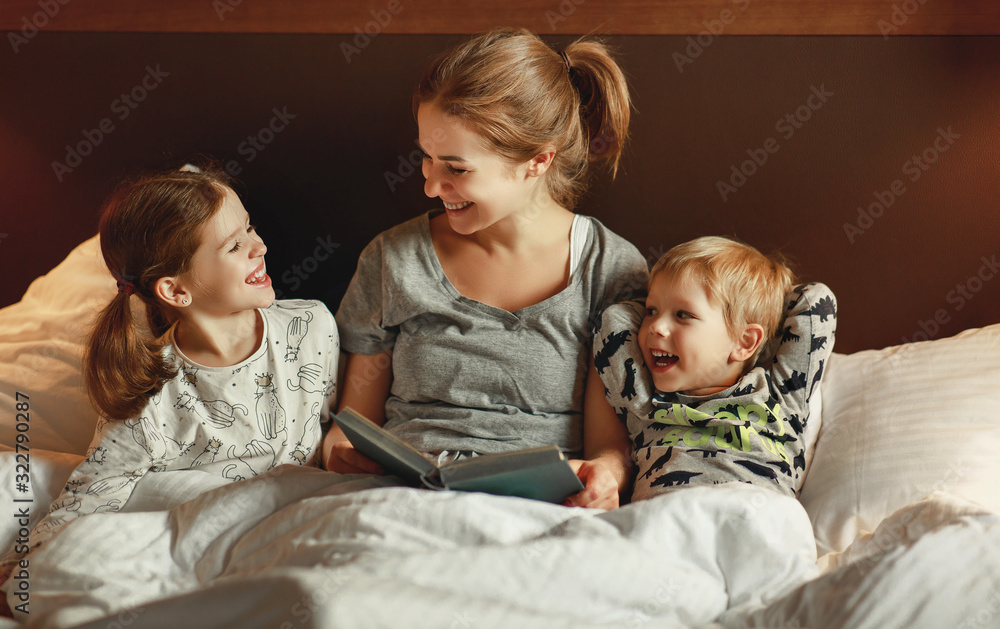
(227, 272)
(477, 186)
(684, 339)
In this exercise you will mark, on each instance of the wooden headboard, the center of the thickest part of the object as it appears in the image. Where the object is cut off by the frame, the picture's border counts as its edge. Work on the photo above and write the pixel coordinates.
(436, 17)
(858, 137)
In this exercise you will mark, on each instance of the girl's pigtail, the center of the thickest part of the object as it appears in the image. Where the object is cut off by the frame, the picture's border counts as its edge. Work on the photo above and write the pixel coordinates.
(123, 369)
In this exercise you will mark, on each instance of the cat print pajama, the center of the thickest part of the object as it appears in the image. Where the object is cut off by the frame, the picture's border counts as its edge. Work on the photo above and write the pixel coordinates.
(235, 422)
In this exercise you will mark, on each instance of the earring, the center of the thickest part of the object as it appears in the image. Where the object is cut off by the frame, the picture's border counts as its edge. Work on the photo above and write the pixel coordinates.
(186, 300)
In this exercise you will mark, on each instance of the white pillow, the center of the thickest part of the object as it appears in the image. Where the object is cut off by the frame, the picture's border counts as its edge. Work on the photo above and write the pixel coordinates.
(41, 348)
(900, 423)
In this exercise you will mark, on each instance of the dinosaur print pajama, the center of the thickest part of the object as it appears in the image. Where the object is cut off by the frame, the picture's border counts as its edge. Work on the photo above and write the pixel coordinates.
(751, 432)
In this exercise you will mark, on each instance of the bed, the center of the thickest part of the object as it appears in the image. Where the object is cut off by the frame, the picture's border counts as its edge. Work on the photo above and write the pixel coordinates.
(895, 524)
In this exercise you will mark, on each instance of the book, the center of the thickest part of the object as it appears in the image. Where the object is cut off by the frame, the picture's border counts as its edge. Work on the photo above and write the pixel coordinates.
(541, 473)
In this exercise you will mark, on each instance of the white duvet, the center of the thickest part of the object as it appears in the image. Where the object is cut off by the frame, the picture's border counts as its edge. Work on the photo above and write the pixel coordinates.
(298, 547)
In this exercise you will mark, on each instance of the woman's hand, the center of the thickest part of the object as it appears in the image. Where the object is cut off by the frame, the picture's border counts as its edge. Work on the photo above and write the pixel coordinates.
(365, 387)
(341, 457)
(601, 485)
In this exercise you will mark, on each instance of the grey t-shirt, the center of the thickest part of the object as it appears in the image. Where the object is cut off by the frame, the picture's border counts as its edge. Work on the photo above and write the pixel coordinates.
(470, 376)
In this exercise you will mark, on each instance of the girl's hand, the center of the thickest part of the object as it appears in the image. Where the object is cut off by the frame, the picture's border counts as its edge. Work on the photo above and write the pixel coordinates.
(601, 485)
(344, 459)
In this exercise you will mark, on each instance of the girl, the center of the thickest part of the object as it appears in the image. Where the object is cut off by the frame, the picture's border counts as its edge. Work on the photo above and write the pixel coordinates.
(469, 327)
(223, 379)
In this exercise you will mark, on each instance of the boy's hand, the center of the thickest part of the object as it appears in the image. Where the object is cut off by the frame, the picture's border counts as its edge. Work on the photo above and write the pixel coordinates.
(601, 490)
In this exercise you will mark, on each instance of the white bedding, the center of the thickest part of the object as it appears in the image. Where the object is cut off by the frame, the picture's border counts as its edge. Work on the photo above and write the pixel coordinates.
(298, 547)
(901, 503)
(410, 557)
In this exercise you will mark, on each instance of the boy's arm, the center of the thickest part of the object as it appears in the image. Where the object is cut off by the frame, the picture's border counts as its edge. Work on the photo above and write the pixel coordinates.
(805, 340)
(618, 359)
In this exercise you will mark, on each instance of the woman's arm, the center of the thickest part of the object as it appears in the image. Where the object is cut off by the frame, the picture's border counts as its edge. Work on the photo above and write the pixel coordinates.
(608, 465)
(367, 380)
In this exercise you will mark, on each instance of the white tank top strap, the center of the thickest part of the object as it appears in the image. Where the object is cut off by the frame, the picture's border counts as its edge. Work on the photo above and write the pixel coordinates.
(577, 240)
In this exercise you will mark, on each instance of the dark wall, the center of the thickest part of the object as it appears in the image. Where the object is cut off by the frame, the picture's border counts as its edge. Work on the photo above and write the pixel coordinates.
(861, 108)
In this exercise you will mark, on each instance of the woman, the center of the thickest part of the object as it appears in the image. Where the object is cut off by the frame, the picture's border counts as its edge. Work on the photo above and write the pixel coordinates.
(469, 328)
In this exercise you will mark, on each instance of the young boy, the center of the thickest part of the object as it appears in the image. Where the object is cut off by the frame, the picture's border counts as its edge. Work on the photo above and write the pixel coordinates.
(708, 407)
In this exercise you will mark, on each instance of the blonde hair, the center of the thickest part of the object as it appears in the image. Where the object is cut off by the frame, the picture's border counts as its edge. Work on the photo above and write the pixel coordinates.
(524, 98)
(750, 287)
(149, 229)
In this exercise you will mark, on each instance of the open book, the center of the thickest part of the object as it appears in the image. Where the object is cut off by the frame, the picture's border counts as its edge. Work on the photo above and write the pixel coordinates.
(538, 473)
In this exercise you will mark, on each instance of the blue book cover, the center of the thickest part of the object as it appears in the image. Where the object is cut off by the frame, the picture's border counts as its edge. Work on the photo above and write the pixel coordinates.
(541, 473)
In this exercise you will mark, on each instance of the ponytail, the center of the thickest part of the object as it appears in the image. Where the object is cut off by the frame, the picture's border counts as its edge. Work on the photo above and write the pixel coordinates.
(524, 98)
(123, 369)
(149, 229)
(604, 100)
